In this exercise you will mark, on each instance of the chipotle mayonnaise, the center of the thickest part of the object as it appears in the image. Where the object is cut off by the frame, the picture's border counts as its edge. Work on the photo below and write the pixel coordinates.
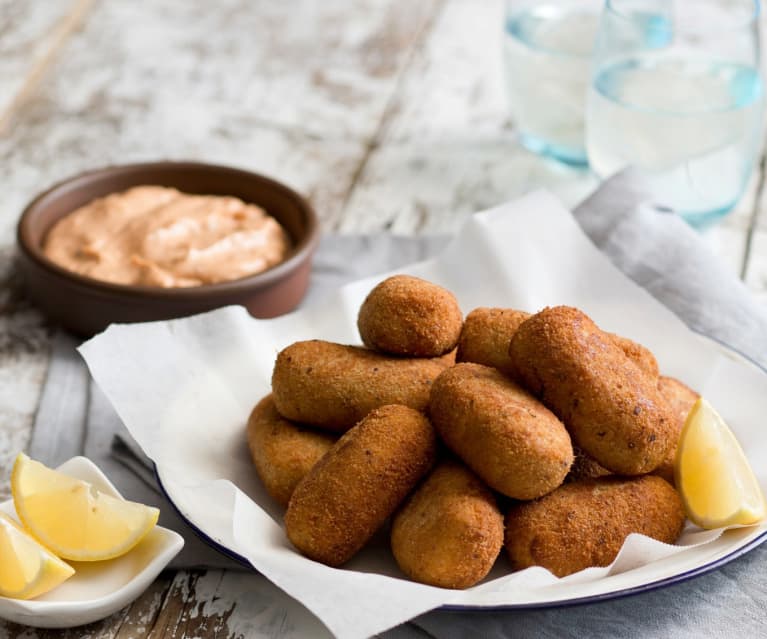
(158, 236)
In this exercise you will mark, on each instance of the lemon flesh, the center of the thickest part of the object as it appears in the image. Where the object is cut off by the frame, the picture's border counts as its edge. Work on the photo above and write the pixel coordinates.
(713, 476)
(27, 569)
(72, 517)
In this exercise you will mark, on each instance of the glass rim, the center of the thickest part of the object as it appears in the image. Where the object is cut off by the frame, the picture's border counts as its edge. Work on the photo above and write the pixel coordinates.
(753, 18)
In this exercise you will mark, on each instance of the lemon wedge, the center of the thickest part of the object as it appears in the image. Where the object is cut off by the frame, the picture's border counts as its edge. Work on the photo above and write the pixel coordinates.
(713, 476)
(27, 569)
(73, 518)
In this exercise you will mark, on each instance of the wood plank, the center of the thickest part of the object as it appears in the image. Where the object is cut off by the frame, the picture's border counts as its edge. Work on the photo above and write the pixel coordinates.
(24, 348)
(453, 89)
(257, 608)
(130, 622)
(30, 34)
(447, 147)
(201, 604)
(431, 188)
(179, 614)
(140, 617)
(322, 68)
(232, 604)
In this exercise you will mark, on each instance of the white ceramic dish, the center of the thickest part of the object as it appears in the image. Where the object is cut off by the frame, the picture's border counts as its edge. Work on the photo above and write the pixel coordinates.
(97, 589)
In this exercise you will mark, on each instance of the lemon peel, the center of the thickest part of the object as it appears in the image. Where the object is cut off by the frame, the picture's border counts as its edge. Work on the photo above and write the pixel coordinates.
(72, 517)
(27, 568)
(713, 476)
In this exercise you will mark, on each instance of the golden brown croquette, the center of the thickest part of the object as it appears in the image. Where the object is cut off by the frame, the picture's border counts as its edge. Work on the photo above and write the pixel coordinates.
(283, 452)
(585, 523)
(405, 315)
(680, 398)
(332, 386)
(505, 435)
(611, 407)
(640, 355)
(360, 482)
(450, 531)
(486, 335)
(585, 467)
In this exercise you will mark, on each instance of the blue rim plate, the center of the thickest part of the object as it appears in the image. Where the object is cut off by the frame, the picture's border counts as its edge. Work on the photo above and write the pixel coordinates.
(197, 531)
(653, 584)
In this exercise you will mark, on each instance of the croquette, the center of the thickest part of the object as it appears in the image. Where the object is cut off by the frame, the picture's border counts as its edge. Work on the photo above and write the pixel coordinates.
(585, 467)
(332, 386)
(640, 355)
(405, 315)
(283, 452)
(487, 333)
(680, 398)
(613, 410)
(503, 433)
(485, 337)
(450, 531)
(584, 524)
(359, 483)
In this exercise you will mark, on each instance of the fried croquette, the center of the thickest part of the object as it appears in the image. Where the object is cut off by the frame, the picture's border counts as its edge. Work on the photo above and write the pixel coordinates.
(450, 531)
(585, 467)
(584, 524)
(283, 452)
(505, 435)
(360, 482)
(485, 337)
(640, 355)
(405, 315)
(680, 398)
(612, 409)
(487, 333)
(332, 386)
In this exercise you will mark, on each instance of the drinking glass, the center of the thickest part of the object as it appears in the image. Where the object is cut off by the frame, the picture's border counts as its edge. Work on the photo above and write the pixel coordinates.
(547, 54)
(676, 91)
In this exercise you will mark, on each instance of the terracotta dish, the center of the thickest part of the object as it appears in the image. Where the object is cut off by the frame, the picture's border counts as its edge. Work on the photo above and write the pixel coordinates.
(86, 306)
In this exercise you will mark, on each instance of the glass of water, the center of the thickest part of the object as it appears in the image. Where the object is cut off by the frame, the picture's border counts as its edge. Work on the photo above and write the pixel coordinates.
(676, 92)
(547, 53)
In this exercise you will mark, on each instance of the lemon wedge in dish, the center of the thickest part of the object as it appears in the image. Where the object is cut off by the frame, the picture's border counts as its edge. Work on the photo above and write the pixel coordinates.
(27, 569)
(73, 518)
(712, 474)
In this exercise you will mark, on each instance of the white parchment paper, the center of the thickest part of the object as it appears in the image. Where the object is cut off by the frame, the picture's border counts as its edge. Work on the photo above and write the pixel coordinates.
(184, 389)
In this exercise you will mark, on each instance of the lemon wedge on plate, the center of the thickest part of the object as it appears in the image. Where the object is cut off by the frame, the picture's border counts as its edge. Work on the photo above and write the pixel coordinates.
(712, 474)
(73, 518)
(27, 569)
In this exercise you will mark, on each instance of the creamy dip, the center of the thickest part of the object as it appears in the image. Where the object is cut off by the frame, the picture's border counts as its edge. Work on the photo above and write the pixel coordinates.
(158, 236)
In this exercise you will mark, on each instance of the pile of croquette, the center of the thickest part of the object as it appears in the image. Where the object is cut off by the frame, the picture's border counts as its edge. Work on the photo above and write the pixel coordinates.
(537, 432)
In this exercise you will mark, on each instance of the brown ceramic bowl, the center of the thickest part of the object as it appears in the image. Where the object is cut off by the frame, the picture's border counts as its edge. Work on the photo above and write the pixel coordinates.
(86, 306)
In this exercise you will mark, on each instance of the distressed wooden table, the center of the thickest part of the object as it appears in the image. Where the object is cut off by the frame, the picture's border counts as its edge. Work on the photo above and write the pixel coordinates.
(388, 114)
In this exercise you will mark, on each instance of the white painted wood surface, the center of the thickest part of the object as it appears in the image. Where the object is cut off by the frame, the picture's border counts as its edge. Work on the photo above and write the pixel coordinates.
(389, 114)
